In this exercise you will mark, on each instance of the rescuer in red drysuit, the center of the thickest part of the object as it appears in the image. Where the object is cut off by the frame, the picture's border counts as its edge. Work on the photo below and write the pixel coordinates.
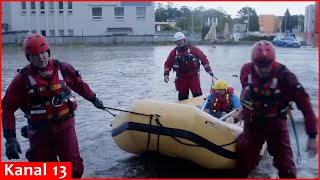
(268, 87)
(42, 90)
(185, 61)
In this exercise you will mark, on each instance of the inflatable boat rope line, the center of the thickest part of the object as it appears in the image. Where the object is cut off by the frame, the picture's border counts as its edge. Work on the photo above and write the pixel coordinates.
(158, 125)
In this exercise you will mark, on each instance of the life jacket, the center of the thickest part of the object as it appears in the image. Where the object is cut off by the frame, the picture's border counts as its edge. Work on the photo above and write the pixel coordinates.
(264, 101)
(48, 99)
(183, 64)
(222, 103)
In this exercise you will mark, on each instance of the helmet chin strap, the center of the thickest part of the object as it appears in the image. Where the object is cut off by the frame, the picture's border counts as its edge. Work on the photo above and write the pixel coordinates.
(182, 47)
(261, 73)
(27, 55)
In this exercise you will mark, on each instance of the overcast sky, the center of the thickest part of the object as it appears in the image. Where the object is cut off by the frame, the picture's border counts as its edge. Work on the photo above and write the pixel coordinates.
(232, 8)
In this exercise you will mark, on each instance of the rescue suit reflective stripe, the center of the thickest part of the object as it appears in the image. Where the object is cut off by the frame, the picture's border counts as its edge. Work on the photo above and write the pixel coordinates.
(262, 100)
(189, 69)
(48, 99)
(223, 104)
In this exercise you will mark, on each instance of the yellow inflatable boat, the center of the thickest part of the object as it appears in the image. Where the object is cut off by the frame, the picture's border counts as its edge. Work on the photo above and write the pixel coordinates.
(178, 130)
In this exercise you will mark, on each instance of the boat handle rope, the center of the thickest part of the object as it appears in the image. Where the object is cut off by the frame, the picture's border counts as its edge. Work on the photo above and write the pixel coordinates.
(159, 125)
(228, 143)
(114, 115)
(179, 141)
(149, 134)
(295, 133)
(187, 144)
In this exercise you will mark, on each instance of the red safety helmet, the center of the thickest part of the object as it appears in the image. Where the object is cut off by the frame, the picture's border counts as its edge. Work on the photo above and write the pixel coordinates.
(35, 44)
(263, 53)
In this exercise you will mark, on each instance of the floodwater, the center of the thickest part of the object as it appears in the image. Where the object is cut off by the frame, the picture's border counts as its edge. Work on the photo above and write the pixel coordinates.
(121, 75)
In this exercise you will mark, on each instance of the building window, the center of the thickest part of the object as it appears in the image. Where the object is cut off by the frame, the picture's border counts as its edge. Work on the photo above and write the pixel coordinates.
(119, 13)
(23, 8)
(33, 31)
(43, 33)
(141, 13)
(69, 7)
(33, 8)
(52, 32)
(60, 7)
(61, 32)
(70, 32)
(96, 13)
(42, 8)
(51, 7)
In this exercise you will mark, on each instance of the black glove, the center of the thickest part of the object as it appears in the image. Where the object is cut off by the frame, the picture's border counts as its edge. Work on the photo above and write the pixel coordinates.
(97, 103)
(211, 74)
(12, 149)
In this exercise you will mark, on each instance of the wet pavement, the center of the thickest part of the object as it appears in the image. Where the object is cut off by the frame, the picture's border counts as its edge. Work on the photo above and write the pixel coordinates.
(121, 75)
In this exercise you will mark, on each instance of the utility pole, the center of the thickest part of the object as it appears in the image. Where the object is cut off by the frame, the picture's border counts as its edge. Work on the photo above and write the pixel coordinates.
(248, 21)
(201, 20)
(299, 28)
(285, 26)
(82, 36)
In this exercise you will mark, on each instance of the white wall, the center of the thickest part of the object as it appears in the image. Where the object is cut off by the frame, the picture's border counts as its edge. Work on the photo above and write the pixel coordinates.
(99, 27)
(309, 18)
(80, 20)
(6, 14)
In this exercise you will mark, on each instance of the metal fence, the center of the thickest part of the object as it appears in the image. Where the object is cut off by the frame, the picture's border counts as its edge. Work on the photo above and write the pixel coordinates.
(112, 40)
(14, 37)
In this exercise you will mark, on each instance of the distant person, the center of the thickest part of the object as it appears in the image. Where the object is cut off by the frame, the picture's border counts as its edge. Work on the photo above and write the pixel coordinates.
(42, 90)
(185, 60)
(222, 101)
(267, 89)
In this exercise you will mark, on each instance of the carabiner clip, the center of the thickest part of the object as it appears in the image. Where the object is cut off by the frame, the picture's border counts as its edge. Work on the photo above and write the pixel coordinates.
(55, 101)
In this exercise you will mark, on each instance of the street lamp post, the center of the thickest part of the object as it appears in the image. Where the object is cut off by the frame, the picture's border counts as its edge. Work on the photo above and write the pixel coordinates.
(191, 21)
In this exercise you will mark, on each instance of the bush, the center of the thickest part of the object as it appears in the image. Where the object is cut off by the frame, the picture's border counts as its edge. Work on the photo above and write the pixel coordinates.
(170, 28)
(257, 38)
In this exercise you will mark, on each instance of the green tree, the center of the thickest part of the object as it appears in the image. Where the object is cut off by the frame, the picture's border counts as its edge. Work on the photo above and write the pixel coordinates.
(184, 22)
(172, 11)
(200, 15)
(197, 20)
(286, 25)
(293, 21)
(253, 19)
(185, 11)
(237, 21)
(161, 14)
